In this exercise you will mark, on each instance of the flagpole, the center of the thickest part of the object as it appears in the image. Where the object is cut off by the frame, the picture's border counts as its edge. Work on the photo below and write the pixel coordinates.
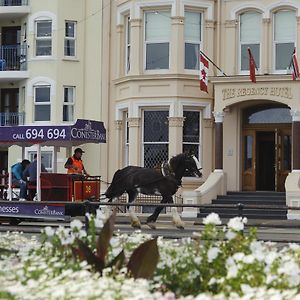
(212, 62)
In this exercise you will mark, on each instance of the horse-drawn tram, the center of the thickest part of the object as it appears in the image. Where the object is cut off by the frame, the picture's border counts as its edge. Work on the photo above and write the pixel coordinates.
(57, 195)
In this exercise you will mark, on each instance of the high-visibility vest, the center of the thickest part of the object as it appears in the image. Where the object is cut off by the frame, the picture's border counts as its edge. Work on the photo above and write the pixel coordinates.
(77, 164)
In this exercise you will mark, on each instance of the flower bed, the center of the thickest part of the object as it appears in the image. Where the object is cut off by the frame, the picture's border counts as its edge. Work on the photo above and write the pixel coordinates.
(220, 263)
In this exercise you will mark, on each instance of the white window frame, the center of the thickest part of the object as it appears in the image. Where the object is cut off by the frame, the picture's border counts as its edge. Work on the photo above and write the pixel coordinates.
(35, 103)
(192, 109)
(276, 42)
(43, 38)
(156, 42)
(127, 43)
(143, 130)
(69, 103)
(70, 38)
(200, 42)
(48, 150)
(126, 140)
(245, 72)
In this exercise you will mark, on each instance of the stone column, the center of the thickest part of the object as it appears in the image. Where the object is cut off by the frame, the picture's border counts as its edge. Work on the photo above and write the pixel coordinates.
(219, 116)
(136, 54)
(292, 187)
(295, 140)
(209, 44)
(118, 144)
(265, 58)
(176, 45)
(229, 55)
(175, 135)
(134, 141)
(120, 51)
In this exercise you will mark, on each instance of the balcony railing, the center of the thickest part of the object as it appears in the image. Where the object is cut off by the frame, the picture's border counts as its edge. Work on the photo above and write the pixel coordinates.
(13, 58)
(13, 2)
(12, 119)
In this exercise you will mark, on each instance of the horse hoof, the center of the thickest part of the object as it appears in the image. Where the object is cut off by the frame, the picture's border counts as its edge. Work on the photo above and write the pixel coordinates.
(181, 227)
(136, 225)
(151, 225)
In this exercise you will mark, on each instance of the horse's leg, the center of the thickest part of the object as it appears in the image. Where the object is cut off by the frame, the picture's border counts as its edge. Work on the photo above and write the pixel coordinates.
(152, 219)
(135, 222)
(176, 218)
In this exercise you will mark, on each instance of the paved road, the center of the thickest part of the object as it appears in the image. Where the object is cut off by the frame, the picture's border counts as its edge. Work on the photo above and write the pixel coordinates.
(277, 231)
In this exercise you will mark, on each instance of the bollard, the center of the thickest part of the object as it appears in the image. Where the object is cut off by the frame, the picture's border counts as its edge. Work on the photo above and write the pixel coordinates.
(240, 207)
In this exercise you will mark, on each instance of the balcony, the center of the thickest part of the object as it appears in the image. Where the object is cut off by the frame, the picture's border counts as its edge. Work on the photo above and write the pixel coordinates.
(12, 119)
(14, 8)
(13, 63)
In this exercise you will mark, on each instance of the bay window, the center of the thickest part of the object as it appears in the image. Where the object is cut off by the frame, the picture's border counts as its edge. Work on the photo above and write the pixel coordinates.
(43, 38)
(157, 39)
(42, 105)
(192, 37)
(250, 37)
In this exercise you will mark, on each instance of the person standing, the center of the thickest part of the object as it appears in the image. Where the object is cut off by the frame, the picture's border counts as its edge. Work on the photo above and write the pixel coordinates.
(17, 178)
(31, 173)
(74, 163)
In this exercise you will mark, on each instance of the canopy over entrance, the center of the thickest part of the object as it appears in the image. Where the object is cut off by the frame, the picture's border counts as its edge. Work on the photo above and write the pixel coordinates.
(82, 132)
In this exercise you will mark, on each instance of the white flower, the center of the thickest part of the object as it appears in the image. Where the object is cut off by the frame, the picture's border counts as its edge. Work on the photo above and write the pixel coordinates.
(76, 224)
(212, 254)
(232, 271)
(237, 223)
(230, 235)
(212, 218)
(49, 231)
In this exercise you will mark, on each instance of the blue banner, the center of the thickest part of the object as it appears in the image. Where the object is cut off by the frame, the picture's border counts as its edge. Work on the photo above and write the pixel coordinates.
(32, 210)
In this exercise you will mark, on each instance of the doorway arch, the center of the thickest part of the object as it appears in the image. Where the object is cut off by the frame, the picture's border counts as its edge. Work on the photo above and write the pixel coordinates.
(266, 147)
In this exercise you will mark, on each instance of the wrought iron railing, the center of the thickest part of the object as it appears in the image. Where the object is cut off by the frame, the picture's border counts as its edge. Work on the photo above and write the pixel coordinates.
(13, 58)
(13, 2)
(12, 119)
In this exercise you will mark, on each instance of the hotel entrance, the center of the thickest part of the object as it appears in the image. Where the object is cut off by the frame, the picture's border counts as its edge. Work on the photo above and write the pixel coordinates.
(266, 148)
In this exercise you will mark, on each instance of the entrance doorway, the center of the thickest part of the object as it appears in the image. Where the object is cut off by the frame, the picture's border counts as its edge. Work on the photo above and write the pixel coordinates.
(266, 159)
(266, 149)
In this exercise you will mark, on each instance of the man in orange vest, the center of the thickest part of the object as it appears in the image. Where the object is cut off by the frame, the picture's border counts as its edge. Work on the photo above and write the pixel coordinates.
(74, 163)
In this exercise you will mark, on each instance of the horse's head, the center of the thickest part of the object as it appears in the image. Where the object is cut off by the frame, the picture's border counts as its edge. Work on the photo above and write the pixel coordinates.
(185, 163)
(192, 165)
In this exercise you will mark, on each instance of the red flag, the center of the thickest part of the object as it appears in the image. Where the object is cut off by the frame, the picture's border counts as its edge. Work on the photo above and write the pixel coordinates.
(295, 67)
(203, 76)
(252, 66)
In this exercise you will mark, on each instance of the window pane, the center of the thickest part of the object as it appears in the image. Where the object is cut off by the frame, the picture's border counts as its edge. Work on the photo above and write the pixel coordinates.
(42, 94)
(70, 29)
(43, 29)
(191, 56)
(155, 154)
(250, 29)
(245, 56)
(287, 146)
(285, 26)
(69, 95)
(43, 47)
(191, 126)
(248, 152)
(192, 26)
(156, 126)
(283, 55)
(157, 56)
(68, 113)
(158, 26)
(267, 115)
(42, 113)
(69, 47)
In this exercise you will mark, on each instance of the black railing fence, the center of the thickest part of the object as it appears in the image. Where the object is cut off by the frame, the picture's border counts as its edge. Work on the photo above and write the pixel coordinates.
(13, 58)
(13, 2)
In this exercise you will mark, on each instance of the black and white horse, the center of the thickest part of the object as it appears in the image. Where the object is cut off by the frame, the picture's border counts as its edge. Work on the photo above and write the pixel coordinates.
(165, 182)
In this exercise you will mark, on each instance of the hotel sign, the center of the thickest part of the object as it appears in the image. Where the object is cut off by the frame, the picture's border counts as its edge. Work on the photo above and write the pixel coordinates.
(282, 92)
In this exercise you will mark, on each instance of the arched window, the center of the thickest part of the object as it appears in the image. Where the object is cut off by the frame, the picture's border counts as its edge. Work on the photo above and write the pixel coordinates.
(250, 37)
(284, 37)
